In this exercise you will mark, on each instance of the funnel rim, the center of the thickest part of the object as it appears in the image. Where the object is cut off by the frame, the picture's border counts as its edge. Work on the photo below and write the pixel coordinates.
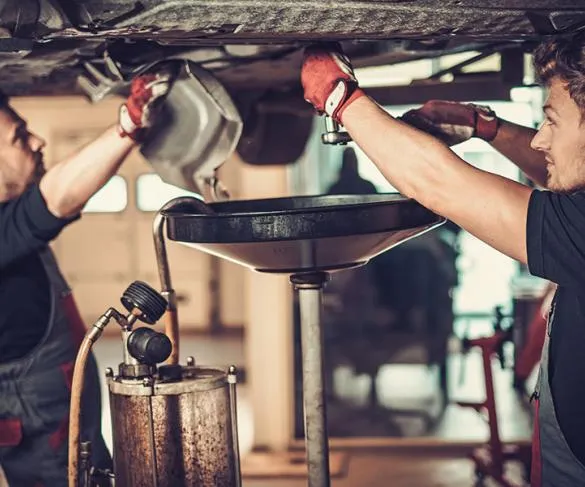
(300, 224)
(378, 199)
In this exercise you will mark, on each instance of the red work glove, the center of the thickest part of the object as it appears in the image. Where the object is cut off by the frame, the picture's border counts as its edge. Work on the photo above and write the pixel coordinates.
(328, 80)
(139, 110)
(453, 122)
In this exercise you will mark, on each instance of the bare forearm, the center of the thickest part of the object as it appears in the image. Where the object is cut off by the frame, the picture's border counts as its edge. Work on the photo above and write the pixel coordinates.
(492, 208)
(68, 185)
(513, 141)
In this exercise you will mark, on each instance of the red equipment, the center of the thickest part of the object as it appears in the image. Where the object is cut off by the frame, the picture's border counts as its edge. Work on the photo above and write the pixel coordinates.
(490, 460)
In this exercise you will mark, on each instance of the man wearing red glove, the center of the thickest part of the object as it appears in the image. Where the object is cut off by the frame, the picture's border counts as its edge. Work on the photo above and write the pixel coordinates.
(543, 229)
(40, 327)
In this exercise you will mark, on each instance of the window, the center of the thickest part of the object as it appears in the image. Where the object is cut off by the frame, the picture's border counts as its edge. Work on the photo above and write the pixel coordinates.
(112, 198)
(152, 192)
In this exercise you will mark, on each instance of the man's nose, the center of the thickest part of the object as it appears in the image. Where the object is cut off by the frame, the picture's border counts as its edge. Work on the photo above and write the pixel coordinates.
(36, 143)
(541, 140)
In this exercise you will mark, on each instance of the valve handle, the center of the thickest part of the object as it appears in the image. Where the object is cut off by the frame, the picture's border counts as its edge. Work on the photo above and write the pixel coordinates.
(149, 302)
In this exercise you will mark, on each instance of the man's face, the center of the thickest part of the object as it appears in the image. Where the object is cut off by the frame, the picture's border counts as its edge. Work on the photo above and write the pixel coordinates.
(21, 157)
(561, 138)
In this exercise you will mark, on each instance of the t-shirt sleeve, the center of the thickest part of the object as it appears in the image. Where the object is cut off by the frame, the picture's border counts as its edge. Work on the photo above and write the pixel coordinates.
(26, 225)
(555, 235)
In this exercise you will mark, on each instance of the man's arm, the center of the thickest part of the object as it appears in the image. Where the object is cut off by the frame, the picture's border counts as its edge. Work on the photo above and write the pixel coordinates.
(454, 123)
(37, 216)
(513, 141)
(68, 185)
(26, 225)
(491, 207)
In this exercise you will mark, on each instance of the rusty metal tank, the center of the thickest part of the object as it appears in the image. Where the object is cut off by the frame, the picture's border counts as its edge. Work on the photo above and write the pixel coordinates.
(174, 429)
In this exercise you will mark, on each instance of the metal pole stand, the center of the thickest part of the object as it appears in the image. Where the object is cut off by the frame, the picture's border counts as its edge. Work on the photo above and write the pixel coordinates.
(310, 287)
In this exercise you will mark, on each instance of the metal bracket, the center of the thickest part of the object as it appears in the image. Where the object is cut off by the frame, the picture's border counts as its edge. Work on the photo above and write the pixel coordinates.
(97, 84)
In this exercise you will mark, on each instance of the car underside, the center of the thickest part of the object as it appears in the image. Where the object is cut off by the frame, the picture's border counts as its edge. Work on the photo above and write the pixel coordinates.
(254, 47)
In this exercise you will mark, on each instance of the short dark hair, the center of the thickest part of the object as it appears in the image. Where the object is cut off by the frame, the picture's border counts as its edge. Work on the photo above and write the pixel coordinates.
(563, 56)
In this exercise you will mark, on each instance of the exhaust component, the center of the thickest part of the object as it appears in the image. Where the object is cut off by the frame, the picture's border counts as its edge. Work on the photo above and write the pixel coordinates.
(196, 132)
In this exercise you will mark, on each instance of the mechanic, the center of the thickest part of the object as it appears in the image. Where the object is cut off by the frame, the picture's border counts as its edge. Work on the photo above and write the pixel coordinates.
(40, 327)
(544, 229)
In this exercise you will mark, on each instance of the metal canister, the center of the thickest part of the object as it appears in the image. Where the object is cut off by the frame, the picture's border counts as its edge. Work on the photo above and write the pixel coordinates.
(174, 432)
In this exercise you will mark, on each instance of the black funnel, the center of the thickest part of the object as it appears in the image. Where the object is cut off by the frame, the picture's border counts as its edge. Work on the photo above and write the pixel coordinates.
(303, 233)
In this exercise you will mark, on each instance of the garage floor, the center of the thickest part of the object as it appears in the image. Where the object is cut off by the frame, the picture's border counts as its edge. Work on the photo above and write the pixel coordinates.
(383, 470)
(397, 470)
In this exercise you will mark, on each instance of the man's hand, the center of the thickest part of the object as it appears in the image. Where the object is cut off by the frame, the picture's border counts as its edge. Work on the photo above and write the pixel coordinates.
(453, 122)
(328, 80)
(140, 108)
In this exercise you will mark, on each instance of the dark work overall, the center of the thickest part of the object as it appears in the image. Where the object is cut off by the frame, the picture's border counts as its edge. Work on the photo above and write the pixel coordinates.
(553, 462)
(35, 394)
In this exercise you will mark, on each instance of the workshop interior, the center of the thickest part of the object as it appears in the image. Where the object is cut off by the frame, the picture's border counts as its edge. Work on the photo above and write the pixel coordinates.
(255, 322)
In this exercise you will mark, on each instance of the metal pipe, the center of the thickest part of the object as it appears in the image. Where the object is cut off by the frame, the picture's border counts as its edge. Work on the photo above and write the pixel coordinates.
(162, 260)
(170, 317)
(126, 331)
(127, 358)
(310, 288)
(232, 381)
(214, 286)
